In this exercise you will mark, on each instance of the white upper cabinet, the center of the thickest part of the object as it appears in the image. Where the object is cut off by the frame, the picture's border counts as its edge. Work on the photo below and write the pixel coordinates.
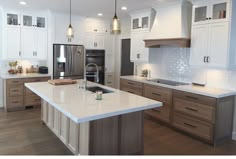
(199, 45)
(12, 19)
(26, 35)
(207, 11)
(94, 41)
(12, 45)
(109, 44)
(142, 20)
(213, 39)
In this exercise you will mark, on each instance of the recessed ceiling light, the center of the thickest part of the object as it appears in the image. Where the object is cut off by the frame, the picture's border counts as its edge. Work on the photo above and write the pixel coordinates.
(22, 3)
(124, 8)
(100, 14)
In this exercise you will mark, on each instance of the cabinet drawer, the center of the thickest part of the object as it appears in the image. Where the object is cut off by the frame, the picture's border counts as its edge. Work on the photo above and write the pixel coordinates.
(32, 100)
(158, 93)
(131, 83)
(14, 81)
(195, 110)
(132, 90)
(14, 102)
(162, 113)
(195, 98)
(193, 126)
(15, 90)
(28, 92)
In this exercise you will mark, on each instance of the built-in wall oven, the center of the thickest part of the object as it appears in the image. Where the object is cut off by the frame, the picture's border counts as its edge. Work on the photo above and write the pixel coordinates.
(97, 57)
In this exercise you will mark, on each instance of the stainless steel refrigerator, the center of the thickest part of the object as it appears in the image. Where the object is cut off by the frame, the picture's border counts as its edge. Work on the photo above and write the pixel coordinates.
(68, 61)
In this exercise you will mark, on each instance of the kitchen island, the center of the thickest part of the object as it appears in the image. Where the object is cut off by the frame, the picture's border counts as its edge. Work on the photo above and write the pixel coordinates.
(112, 126)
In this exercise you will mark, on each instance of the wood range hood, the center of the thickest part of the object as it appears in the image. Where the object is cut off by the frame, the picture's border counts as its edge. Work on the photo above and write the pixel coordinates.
(176, 42)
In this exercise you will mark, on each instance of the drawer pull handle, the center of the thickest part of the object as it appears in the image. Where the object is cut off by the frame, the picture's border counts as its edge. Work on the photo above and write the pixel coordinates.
(155, 110)
(15, 102)
(194, 110)
(189, 125)
(192, 97)
(130, 92)
(156, 94)
(130, 83)
(15, 90)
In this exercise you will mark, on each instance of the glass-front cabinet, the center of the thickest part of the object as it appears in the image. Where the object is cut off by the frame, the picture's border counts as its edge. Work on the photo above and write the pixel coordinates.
(211, 11)
(25, 20)
(12, 19)
(141, 22)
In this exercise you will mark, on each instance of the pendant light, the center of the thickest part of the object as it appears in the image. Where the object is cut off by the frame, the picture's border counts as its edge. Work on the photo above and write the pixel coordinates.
(70, 30)
(115, 23)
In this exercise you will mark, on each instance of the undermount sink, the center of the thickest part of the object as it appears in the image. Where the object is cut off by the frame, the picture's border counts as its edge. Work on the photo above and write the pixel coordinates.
(96, 88)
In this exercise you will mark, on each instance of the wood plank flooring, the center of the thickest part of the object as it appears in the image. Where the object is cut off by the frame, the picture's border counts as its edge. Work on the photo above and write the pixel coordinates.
(21, 133)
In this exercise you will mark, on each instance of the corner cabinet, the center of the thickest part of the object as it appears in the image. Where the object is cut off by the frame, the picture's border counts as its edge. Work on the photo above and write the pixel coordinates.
(26, 36)
(138, 51)
(212, 39)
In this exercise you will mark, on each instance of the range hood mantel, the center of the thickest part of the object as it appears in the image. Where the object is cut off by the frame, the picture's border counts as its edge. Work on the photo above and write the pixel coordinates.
(177, 42)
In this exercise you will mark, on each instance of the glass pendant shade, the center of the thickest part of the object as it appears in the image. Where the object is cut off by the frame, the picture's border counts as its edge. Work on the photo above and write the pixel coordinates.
(116, 26)
(70, 33)
(116, 29)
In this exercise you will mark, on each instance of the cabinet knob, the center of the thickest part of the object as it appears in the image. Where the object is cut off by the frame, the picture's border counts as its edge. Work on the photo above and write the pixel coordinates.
(207, 18)
(210, 18)
(138, 56)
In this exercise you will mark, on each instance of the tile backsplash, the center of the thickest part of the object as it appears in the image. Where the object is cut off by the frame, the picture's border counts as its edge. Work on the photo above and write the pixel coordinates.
(4, 67)
(173, 64)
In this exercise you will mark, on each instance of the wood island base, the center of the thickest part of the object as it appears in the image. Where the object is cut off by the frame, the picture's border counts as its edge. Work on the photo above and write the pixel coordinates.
(119, 135)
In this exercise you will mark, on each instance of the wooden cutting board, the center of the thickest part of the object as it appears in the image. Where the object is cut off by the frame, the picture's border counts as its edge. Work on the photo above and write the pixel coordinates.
(62, 82)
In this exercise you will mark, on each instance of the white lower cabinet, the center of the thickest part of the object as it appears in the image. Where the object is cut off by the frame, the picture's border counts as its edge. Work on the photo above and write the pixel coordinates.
(210, 45)
(138, 51)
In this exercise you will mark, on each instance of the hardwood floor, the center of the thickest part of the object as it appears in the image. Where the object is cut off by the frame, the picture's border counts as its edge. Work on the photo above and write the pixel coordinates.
(21, 133)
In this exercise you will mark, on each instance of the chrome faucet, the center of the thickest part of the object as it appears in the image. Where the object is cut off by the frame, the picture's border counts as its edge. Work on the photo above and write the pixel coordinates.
(96, 75)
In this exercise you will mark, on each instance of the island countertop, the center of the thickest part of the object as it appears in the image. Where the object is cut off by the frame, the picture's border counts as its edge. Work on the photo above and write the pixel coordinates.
(81, 106)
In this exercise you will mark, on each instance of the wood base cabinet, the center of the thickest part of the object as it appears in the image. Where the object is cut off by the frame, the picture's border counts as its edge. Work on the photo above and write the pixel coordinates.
(119, 135)
(18, 97)
(207, 118)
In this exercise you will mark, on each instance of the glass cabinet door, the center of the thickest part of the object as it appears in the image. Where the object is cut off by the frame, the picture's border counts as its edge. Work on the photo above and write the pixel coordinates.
(12, 19)
(145, 22)
(200, 14)
(135, 23)
(27, 21)
(41, 22)
(219, 11)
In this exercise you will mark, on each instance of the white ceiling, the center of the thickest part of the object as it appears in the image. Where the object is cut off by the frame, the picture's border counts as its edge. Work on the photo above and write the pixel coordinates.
(85, 7)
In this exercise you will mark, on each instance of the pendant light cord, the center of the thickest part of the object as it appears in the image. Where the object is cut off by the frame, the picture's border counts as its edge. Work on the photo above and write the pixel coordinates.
(115, 6)
(70, 11)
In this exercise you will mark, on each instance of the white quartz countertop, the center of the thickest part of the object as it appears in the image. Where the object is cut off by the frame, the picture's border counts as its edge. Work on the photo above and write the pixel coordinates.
(28, 75)
(206, 91)
(81, 106)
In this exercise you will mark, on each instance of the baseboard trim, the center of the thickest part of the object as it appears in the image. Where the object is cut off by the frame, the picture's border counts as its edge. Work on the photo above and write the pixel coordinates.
(234, 136)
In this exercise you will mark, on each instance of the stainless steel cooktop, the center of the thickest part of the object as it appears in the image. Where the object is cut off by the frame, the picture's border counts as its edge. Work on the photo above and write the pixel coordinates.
(167, 82)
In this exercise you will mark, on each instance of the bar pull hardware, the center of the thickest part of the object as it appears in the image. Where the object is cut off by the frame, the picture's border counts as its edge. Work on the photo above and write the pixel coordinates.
(156, 94)
(130, 83)
(189, 125)
(208, 59)
(192, 97)
(204, 59)
(194, 110)
(155, 110)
